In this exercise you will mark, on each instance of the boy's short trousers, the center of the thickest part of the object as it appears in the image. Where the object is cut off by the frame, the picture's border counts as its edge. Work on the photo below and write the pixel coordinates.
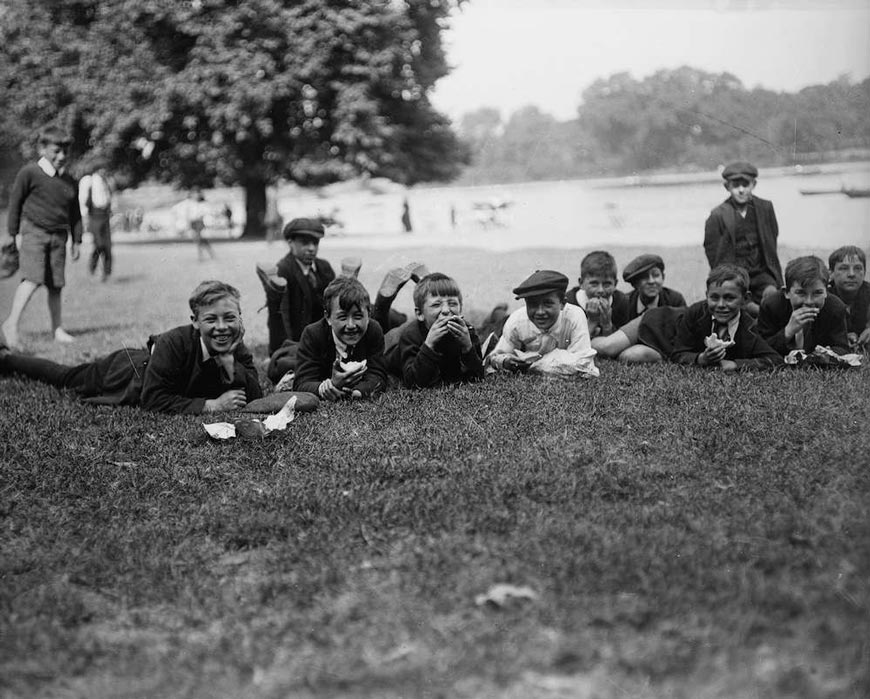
(43, 255)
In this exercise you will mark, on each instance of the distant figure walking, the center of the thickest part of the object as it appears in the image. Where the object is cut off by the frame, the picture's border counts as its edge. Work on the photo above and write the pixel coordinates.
(196, 223)
(406, 217)
(95, 201)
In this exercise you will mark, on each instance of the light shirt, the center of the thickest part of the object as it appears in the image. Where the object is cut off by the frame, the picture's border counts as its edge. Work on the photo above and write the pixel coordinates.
(641, 307)
(582, 299)
(225, 362)
(732, 326)
(100, 194)
(306, 269)
(48, 168)
(340, 347)
(799, 339)
(569, 332)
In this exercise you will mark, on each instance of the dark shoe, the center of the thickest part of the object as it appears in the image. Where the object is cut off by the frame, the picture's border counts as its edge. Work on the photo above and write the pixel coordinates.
(417, 271)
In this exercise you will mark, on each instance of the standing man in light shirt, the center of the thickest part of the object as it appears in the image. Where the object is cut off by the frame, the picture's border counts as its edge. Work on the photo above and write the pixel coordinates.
(95, 200)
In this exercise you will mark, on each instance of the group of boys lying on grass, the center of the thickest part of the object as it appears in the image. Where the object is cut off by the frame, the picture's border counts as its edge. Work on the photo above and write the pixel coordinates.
(205, 366)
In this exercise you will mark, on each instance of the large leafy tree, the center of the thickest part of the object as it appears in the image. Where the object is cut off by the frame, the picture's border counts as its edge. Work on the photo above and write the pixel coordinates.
(216, 91)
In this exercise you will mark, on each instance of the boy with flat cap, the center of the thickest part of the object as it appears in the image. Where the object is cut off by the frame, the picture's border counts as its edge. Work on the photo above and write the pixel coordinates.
(646, 273)
(544, 325)
(743, 230)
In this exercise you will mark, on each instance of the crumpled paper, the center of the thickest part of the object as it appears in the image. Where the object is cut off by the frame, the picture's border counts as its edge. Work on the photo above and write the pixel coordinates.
(561, 362)
(715, 342)
(822, 356)
(253, 429)
(499, 595)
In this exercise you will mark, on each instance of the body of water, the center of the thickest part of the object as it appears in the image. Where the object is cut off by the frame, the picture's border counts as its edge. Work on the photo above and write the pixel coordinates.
(583, 213)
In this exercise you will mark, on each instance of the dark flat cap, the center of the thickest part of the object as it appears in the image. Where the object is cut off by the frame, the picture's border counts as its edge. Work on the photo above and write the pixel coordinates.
(739, 169)
(640, 265)
(304, 226)
(543, 281)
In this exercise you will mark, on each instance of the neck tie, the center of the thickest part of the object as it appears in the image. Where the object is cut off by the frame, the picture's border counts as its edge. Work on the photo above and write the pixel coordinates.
(312, 278)
(722, 332)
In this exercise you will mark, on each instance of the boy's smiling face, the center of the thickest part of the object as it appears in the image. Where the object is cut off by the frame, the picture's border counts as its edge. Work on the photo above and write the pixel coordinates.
(597, 286)
(348, 325)
(54, 153)
(543, 310)
(848, 274)
(650, 284)
(435, 306)
(725, 300)
(219, 325)
(812, 295)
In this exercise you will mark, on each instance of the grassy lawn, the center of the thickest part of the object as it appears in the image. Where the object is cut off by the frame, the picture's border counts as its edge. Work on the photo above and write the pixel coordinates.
(687, 534)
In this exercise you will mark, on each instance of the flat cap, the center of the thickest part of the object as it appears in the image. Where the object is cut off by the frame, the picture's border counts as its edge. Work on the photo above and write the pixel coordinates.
(304, 226)
(543, 281)
(739, 169)
(640, 265)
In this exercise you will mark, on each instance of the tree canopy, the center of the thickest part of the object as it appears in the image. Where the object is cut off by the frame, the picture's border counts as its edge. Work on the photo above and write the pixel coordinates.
(216, 91)
(674, 119)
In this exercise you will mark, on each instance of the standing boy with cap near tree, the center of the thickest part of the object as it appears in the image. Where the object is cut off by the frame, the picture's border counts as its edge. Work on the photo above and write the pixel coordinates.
(743, 230)
(545, 324)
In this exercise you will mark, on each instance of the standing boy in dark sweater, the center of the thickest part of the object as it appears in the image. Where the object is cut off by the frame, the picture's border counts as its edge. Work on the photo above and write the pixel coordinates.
(44, 209)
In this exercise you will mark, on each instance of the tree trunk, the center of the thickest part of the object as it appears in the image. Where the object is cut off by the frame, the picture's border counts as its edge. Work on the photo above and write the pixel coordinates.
(255, 209)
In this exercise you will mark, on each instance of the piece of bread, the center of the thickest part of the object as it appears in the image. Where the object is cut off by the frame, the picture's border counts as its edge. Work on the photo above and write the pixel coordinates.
(713, 341)
(353, 366)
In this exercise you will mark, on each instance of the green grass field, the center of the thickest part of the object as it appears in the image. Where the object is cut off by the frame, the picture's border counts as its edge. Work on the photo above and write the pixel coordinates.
(686, 534)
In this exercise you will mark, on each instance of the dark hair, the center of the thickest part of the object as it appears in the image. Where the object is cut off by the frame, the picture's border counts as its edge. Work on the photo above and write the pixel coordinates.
(598, 263)
(349, 291)
(435, 284)
(210, 292)
(729, 272)
(842, 253)
(54, 134)
(805, 270)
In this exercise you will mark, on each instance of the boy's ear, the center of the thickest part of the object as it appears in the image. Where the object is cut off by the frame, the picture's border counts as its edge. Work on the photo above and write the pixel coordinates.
(417, 314)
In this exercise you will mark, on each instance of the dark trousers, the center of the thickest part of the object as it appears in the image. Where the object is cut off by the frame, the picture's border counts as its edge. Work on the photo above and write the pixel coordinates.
(98, 225)
(116, 373)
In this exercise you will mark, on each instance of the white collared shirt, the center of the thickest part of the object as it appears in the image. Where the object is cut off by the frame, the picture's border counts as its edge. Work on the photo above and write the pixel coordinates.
(99, 191)
(641, 307)
(569, 332)
(306, 269)
(222, 360)
(340, 347)
(48, 168)
(732, 326)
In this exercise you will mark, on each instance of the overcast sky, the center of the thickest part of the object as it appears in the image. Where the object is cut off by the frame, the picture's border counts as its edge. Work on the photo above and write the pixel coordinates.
(510, 53)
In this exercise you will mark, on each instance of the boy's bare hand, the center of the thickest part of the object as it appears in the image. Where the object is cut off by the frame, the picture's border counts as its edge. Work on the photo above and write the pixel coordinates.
(438, 331)
(457, 328)
(330, 392)
(728, 365)
(800, 319)
(512, 363)
(711, 356)
(75, 251)
(230, 400)
(864, 338)
(345, 379)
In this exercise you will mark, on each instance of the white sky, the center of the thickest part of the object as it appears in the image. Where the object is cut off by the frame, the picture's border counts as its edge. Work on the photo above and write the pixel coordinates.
(511, 53)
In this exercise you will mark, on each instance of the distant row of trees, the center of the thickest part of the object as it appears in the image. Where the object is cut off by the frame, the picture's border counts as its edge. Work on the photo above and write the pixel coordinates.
(674, 119)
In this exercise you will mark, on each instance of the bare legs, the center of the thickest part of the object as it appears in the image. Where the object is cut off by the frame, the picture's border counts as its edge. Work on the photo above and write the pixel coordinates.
(622, 345)
(22, 297)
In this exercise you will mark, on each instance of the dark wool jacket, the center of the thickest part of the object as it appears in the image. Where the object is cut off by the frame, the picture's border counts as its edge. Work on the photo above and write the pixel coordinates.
(667, 297)
(828, 330)
(719, 235)
(315, 357)
(301, 304)
(422, 367)
(176, 379)
(749, 351)
(857, 310)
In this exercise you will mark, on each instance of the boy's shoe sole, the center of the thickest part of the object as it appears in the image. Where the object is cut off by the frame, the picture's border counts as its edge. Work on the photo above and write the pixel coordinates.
(395, 280)
(417, 270)
(270, 285)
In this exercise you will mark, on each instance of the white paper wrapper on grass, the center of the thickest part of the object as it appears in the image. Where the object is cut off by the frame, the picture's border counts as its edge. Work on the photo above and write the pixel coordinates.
(561, 362)
(282, 418)
(498, 595)
(273, 423)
